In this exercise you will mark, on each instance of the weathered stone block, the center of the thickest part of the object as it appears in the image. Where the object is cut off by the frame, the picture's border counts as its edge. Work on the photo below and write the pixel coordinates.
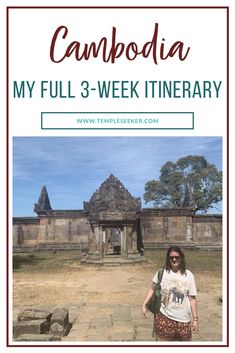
(38, 337)
(59, 321)
(34, 314)
(33, 326)
(58, 329)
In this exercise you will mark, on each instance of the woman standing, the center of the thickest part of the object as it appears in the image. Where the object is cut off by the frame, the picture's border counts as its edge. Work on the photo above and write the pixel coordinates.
(178, 316)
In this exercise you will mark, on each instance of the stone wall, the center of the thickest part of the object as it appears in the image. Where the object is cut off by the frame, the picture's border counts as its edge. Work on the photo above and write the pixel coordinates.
(207, 229)
(162, 226)
(159, 227)
(65, 229)
(25, 231)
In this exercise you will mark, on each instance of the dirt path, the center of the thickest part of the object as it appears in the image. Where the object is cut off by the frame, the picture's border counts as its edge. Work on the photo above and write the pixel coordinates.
(119, 285)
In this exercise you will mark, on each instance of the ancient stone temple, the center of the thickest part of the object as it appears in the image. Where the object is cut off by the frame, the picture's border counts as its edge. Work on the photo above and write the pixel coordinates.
(112, 226)
(114, 215)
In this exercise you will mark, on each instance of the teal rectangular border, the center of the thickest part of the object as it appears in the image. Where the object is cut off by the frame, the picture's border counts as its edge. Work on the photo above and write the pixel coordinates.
(190, 128)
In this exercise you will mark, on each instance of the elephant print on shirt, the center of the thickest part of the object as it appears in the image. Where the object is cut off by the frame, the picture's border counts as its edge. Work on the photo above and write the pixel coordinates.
(177, 295)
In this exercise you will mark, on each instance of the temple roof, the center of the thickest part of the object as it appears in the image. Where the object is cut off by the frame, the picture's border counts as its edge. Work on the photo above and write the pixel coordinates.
(112, 196)
(43, 204)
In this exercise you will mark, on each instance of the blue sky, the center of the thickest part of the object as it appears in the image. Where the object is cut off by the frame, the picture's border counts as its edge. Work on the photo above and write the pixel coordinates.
(72, 168)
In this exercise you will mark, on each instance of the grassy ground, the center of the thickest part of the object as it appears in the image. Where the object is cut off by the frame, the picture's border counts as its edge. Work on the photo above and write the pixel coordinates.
(197, 261)
(45, 260)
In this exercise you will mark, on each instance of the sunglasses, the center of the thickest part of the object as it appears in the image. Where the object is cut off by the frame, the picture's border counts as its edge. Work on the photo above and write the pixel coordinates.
(174, 257)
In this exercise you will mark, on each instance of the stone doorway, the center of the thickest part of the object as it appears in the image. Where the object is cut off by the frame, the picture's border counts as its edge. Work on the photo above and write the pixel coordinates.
(112, 241)
(113, 216)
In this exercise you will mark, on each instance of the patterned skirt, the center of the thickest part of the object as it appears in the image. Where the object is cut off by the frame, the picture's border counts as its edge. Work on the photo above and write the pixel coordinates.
(171, 330)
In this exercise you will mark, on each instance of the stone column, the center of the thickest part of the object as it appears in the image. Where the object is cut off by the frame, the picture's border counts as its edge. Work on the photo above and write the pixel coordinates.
(94, 241)
(19, 239)
(104, 242)
(101, 243)
(107, 240)
(189, 232)
(131, 239)
(134, 240)
(165, 226)
(124, 242)
(189, 229)
(42, 230)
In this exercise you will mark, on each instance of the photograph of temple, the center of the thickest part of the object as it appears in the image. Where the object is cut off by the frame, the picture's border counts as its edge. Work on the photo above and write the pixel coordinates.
(113, 224)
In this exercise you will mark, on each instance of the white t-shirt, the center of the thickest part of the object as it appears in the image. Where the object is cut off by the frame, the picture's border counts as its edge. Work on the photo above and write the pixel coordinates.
(175, 289)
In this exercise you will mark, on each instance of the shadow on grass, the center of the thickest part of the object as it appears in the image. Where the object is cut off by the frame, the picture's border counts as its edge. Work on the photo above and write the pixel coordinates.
(45, 261)
(22, 260)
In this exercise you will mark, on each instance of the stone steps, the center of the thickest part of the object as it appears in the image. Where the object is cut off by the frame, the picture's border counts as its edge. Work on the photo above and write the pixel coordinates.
(114, 261)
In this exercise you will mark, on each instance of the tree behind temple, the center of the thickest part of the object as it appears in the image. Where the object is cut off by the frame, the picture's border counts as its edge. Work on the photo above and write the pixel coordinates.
(190, 182)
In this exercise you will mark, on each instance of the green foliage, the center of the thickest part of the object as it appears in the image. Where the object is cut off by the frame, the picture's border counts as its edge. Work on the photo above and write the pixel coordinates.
(190, 182)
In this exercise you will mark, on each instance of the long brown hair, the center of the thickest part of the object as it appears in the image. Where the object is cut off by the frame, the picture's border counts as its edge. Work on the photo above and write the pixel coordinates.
(182, 257)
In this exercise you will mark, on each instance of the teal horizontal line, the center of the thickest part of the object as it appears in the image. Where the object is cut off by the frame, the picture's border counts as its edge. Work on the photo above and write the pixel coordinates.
(117, 113)
(117, 128)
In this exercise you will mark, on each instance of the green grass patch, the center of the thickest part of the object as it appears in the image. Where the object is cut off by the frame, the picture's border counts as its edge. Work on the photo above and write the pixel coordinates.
(45, 260)
(197, 261)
